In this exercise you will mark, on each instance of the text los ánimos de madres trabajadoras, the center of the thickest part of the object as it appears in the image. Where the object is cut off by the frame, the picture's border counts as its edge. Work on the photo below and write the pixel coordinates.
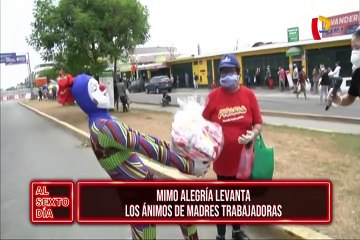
(234, 207)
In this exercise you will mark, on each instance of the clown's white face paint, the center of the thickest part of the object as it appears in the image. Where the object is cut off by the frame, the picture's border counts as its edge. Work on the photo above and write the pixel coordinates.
(98, 94)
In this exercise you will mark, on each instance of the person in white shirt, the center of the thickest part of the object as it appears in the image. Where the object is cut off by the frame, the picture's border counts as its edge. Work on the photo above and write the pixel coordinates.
(336, 72)
(295, 77)
(195, 79)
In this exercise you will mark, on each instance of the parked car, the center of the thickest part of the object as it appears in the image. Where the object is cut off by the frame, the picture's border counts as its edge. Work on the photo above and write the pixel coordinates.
(345, 85)
(159, 84)
(136, 86)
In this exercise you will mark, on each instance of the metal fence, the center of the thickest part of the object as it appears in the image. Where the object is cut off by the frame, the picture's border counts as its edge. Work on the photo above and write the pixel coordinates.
(16, 92)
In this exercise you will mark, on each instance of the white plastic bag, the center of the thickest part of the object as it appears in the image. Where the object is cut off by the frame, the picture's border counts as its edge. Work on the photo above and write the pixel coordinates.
(194, 137)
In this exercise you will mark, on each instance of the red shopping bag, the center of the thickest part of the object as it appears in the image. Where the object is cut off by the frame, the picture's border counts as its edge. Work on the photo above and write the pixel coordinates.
(246, 161)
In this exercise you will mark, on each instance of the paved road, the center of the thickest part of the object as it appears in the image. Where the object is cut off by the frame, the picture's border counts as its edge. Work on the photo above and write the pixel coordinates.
(324, 126)
(268, 100)
(34, 148)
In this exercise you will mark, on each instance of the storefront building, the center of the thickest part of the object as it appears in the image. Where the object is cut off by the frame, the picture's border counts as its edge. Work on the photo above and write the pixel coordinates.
(308, 54)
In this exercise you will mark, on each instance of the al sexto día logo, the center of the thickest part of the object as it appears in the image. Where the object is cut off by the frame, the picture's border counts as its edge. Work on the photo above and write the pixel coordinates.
(314, 26)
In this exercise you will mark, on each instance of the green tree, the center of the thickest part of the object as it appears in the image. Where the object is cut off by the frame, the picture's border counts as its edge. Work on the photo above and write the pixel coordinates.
(50, 73)
(82, 35)
(10, 89)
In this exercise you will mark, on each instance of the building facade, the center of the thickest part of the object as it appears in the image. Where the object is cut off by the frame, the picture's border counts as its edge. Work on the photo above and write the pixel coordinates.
(148, 62)
(41, 67)
(308, 54)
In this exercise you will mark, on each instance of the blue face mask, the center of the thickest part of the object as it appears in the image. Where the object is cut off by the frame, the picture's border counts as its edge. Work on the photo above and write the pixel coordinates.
(229, 81)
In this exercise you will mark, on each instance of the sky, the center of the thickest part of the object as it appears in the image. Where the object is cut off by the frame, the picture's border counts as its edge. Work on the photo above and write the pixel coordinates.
(217, 25)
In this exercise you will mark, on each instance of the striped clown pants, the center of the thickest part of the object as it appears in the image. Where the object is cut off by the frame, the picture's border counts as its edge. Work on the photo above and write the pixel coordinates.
(117, 146)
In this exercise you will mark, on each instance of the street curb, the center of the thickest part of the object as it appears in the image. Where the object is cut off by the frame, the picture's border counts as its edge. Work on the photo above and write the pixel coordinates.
(170, 173)
(288, 115)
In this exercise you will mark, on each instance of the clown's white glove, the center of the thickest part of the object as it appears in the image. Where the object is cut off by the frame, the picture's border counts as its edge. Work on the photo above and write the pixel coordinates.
(245, 139)
(200, 168)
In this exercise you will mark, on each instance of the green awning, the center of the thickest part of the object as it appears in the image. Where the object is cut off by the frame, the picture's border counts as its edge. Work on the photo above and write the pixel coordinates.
(294, 51)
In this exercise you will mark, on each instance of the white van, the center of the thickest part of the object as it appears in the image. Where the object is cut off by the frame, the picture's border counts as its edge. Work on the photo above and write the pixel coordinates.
(345, 84)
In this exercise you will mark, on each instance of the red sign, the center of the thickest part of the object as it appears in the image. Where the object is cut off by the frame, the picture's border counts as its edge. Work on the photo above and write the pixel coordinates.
(342, 24)
(39, 82)
(52, 202)
(133, 68)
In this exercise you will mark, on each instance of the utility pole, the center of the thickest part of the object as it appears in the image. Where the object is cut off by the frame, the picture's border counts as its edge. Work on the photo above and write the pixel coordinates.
(30, 74)
(137, 61)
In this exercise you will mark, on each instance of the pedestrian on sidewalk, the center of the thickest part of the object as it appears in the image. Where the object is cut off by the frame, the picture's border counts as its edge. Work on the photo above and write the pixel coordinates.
(295, 78)
(267, 75)
(166, 99)
(210, 79)
(127, 100)
(258, 78)
(177, 81)
(336, 72)
(236, 109)
(116, 96)
(195, 80)
(40, 94)
(324, 83)
(302, 82)
(122, 94)
(172, 80)
(248, 78)
(354, 89)
(53, 93)
(186, 80)
(281, 74)
(316, 74)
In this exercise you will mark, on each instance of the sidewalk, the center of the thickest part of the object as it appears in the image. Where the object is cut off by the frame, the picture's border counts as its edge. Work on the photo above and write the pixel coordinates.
(264, 92)
(272, 103)
(324, 126)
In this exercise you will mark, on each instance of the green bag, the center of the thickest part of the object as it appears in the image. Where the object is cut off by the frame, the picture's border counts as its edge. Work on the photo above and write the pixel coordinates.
(263, 166)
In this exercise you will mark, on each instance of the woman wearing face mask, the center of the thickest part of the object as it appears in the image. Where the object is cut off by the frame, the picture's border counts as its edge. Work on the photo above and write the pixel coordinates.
(354, 90)
(236, 109)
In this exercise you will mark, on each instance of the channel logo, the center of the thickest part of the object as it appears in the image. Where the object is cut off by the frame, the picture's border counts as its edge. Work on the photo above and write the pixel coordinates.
(314, 27)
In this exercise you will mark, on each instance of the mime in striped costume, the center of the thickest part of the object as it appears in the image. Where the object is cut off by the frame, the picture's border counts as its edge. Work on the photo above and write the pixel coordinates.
(116, 146)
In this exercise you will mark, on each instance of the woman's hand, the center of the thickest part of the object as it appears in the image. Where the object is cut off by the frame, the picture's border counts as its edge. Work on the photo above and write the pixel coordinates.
(245, 139)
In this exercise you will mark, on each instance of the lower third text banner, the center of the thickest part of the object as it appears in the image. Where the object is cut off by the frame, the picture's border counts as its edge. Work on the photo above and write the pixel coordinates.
(169, 202)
